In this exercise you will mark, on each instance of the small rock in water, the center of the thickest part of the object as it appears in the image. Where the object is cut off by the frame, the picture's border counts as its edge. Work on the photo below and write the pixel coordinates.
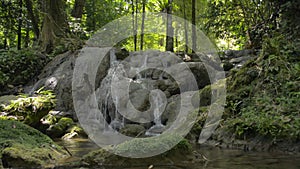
(116, 125)
(155, 130)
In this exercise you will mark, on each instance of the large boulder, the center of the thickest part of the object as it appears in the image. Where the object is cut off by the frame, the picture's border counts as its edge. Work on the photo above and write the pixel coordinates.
(178, 155)
(24, 147)
(137, 75)
(58, 75)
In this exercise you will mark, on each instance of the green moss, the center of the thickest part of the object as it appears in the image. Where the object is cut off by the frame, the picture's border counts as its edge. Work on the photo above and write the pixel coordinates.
(60, 128)
(31, 109)
(133, 130)
(75, 131)
(197, 127)
(181, 152)
(151, 144)
(23, 146)
(210, 93)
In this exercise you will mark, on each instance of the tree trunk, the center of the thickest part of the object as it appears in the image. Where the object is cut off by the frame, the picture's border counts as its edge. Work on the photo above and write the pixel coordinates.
(143, 24)
(185, 29)
(78, 9)
(194, 35)
(27, 38)
(136, 22)
(20, 25)
(5, 43)
(33, 18)
(54, 25)
(133, 26)
(170, 31)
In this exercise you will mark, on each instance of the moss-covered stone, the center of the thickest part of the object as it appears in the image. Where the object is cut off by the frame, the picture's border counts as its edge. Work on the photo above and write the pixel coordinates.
(32, 109)
(60, 128)
(210, 93)
(24, 147)
(181, 153)
(133, 130)
(75, 131)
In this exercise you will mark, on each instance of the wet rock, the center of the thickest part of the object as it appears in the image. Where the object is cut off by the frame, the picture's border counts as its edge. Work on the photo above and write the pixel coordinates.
(133, 130)
(121, 53)
(60, 128)
(227, 65)
(238, 53)
(140, 99)
(177, 155)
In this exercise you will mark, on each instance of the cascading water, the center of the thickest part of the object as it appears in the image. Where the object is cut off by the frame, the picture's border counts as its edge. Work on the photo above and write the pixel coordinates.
(107, 104)
(137, 75)
(159, 102)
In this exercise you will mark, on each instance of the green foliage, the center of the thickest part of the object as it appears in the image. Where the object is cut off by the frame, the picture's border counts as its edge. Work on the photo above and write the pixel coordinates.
(267, 103)
(276, 118)
(72, 43)
(19, 67)
(242, 22)
(101, 12)
(31, 109)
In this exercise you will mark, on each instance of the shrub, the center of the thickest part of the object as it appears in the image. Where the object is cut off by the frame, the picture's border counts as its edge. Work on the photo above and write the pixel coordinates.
(19, 67)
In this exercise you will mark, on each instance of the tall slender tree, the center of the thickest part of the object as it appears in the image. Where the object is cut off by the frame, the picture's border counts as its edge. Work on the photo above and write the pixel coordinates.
(77, 11)
(20, 25)
(194, 35)
(143, 24)
(185, 28)
(170, 30)
(33, 18)
(134, 8)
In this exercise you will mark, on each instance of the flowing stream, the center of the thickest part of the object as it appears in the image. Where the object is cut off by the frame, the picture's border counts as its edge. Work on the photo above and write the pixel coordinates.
(216, 158)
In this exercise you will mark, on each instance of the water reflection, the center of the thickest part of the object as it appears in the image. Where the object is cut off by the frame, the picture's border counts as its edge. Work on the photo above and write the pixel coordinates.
(216, 158)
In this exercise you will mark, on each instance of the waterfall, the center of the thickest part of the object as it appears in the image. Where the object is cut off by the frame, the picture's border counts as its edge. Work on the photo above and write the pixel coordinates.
(159, 101)
(112, 56)
(107, 104)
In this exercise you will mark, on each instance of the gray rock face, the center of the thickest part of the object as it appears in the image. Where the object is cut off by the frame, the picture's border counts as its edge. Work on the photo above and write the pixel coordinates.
(237, 58)
(123, 87)
(57, 76)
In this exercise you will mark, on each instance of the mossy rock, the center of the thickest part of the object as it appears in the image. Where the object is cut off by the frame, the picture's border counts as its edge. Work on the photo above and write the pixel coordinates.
(60, 128)
(133, 130)
(31, 110)
(75, 131)
(194, 133)
(210, 93)
(180, 154)
(24, 147)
